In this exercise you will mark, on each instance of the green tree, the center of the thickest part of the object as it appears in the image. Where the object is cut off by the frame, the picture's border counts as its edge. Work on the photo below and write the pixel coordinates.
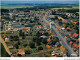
(40, 48)
(44, 41)
(32, 45)
(27, 51)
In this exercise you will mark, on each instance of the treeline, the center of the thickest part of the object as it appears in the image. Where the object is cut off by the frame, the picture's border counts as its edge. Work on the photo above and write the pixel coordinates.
(72, 10)
(43, 7)
(69, 10)
(4, 11)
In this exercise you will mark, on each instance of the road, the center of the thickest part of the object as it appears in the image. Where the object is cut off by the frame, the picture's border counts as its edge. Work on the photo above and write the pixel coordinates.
(70, 51)
(6, 47)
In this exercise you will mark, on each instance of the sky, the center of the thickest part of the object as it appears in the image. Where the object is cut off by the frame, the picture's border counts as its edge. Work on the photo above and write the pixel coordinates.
(40, 1)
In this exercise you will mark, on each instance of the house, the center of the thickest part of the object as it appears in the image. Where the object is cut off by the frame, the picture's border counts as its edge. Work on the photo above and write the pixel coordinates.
(57, 44)
(70, 35)
(64, 25)
(68, 28)
(11, 46)
(51, 16)
(62, 48)
(26, 29)
(41, 32)
(49, 47)
(63, 28)
(75, 35)
(43, 36)
(4, 36)
(75, 22)
(38, 27)
(78, 40)
(9, 31)
(47, 29)
(48, 40)
(46, 15)
(15, 28)
(53, 55)
(21, 51)
(49, 32)
(56, 53)
(70, 42)
(53, 33)
(60, 29)
(75, 45)
(6, 39)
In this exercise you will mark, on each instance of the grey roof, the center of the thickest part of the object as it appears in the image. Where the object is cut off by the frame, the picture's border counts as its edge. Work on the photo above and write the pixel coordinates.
(17, 26)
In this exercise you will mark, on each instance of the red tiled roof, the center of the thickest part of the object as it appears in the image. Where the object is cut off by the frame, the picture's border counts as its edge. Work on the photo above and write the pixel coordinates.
(9, 31)
(75, 45)
(26, 28)
(71, 42)
(48, 46)
(49, 32)
(41, 31)
(68, 28)
(49, 40)
(75, 35)
(21, 50)
(39, 26)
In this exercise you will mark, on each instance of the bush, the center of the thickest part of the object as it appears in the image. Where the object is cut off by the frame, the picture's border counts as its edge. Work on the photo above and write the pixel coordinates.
(44, 41)
(27, 52)
(40, 48)
(19, 55)
(32, 45)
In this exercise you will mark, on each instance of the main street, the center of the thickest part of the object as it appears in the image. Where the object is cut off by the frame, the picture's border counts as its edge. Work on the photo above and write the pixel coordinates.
(70, 51)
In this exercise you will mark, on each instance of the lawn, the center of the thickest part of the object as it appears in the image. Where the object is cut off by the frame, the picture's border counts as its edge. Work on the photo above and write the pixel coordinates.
(3, 52)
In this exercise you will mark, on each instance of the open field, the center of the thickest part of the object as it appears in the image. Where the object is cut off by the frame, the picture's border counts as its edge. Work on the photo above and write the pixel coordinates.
(14, 6)
(26, 6)
(73, 7)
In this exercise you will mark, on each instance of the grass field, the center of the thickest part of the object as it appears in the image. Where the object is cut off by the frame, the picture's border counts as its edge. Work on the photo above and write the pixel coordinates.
(3, 52)
(73, 7)
(14, 6)
(26, 6)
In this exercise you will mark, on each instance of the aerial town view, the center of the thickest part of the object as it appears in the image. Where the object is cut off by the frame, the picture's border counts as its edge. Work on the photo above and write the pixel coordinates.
(39, 29)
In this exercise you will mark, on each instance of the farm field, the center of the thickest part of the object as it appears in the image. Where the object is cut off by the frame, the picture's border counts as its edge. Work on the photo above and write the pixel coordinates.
(14, 6)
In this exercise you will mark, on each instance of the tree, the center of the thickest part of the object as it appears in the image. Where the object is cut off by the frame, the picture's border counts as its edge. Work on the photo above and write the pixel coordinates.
(38, 34)
(16, 38)
(46, 33)
(11, 37)
(25, 45)
(27, 51)
(56, 17)
(40, 48)
(19, 55)
(16, 45)
(38, 43)
(44, 41)
(32, 45)
(53, 12)
(53, 42)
